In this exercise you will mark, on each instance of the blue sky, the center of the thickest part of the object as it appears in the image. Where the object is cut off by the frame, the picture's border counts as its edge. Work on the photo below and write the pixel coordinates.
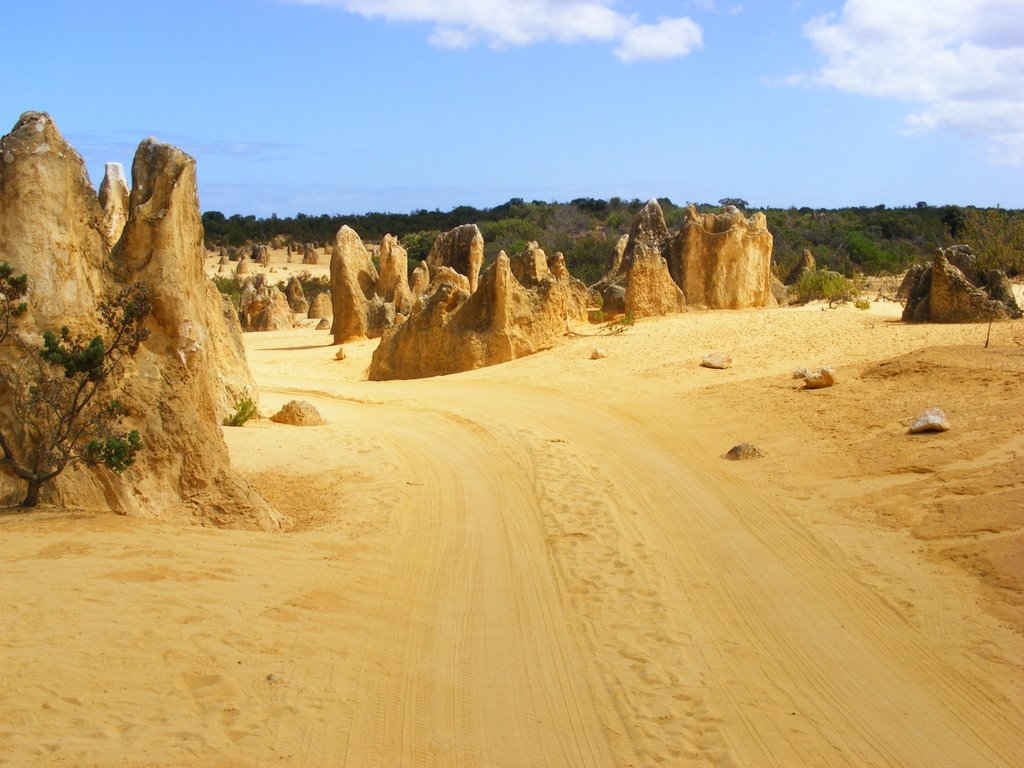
(348, 106)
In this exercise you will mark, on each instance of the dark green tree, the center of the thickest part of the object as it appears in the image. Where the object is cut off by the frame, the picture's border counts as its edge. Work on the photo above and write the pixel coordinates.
(60, 391)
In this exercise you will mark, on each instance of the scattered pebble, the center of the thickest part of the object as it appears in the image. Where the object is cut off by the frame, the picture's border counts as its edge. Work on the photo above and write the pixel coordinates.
(598, 354)
(932, 420)
(744, 451)
(716, 360)
(820, 379)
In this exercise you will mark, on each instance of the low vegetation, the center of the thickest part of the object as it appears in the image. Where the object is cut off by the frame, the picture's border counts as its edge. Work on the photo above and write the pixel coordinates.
(63, 412)
(245, 409)
(826, 285)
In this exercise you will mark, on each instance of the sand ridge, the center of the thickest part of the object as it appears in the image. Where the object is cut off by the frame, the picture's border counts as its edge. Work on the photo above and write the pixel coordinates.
(548, 563)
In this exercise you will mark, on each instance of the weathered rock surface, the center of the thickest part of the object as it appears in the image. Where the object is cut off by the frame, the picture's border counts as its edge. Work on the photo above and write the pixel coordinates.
(642, 278)
(942, 293)
(932, 420)
(650, 290)
(353, 279)
(323, 325)
(452, 330)
(177, 386)
(296, 296)
(320, 307)
(723, 261)
(298, 413)
(393, 283)
(309, 254)
(263, 307)
(461, 249)
(51, 223)
(114, 202)
(824, 377)
(366, 303)
(744, 452)
(716, 360)
(420, 280)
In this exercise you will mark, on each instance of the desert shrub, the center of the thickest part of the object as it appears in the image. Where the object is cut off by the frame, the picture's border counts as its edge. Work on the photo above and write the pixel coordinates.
(997, 237)
(61, 415)
(418, 244)
(231, 287)
(862, 304)
(825, 285)
(245, 409)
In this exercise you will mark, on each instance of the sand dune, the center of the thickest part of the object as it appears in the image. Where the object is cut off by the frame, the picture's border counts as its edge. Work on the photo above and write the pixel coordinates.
(549, 563)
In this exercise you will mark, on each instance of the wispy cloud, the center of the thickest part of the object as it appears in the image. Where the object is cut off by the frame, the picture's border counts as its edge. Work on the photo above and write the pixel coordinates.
(961, 61)
(667, 39)
(510, 23)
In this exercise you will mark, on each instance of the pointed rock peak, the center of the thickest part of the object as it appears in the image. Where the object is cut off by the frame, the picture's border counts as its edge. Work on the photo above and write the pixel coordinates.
(113, 197)
(648, 229)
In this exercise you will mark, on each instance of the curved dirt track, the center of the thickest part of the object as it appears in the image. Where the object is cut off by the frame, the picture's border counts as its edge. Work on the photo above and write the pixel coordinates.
(546, 563)
(573, 580)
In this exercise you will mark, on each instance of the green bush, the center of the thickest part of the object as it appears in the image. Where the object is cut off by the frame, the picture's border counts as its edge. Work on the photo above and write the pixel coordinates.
(825, 285)
(245, 409)
(230, 287)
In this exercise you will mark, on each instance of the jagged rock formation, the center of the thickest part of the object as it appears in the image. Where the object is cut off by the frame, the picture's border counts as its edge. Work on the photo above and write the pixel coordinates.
(642, 284)
(263, 307)
(617, 254)
(942, 293)
(650, 290)
(309, 254)
(420, 280)
(178, 385)
(51, 224)
(320, 307)
(296, 297)
(521, 305)
(353, 278)
(261, 255)
(366, 303)
(114, 202)
(806, 265)
(393, 282)
(723, 261)
(462, 249)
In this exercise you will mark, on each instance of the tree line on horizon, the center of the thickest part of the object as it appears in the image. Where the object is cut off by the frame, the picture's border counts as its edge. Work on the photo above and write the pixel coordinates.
(856, 240)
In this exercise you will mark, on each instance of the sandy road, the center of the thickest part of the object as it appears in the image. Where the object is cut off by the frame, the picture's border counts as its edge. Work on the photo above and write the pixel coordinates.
(574, 583)
(539, 564)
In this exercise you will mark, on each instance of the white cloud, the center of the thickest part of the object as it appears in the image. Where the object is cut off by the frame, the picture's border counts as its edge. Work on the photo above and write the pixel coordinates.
(665, 40)
(506, 23)
(962, 61)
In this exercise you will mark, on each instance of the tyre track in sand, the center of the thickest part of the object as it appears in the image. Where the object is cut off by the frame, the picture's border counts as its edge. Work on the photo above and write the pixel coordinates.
(465, 659)
(785, 656)
(572, 584)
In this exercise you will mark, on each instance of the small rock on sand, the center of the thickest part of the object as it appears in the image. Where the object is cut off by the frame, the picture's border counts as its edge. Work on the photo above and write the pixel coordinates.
(744, 451)
(820, 379)
(598, 354)
(932, 420)
(716, 360)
